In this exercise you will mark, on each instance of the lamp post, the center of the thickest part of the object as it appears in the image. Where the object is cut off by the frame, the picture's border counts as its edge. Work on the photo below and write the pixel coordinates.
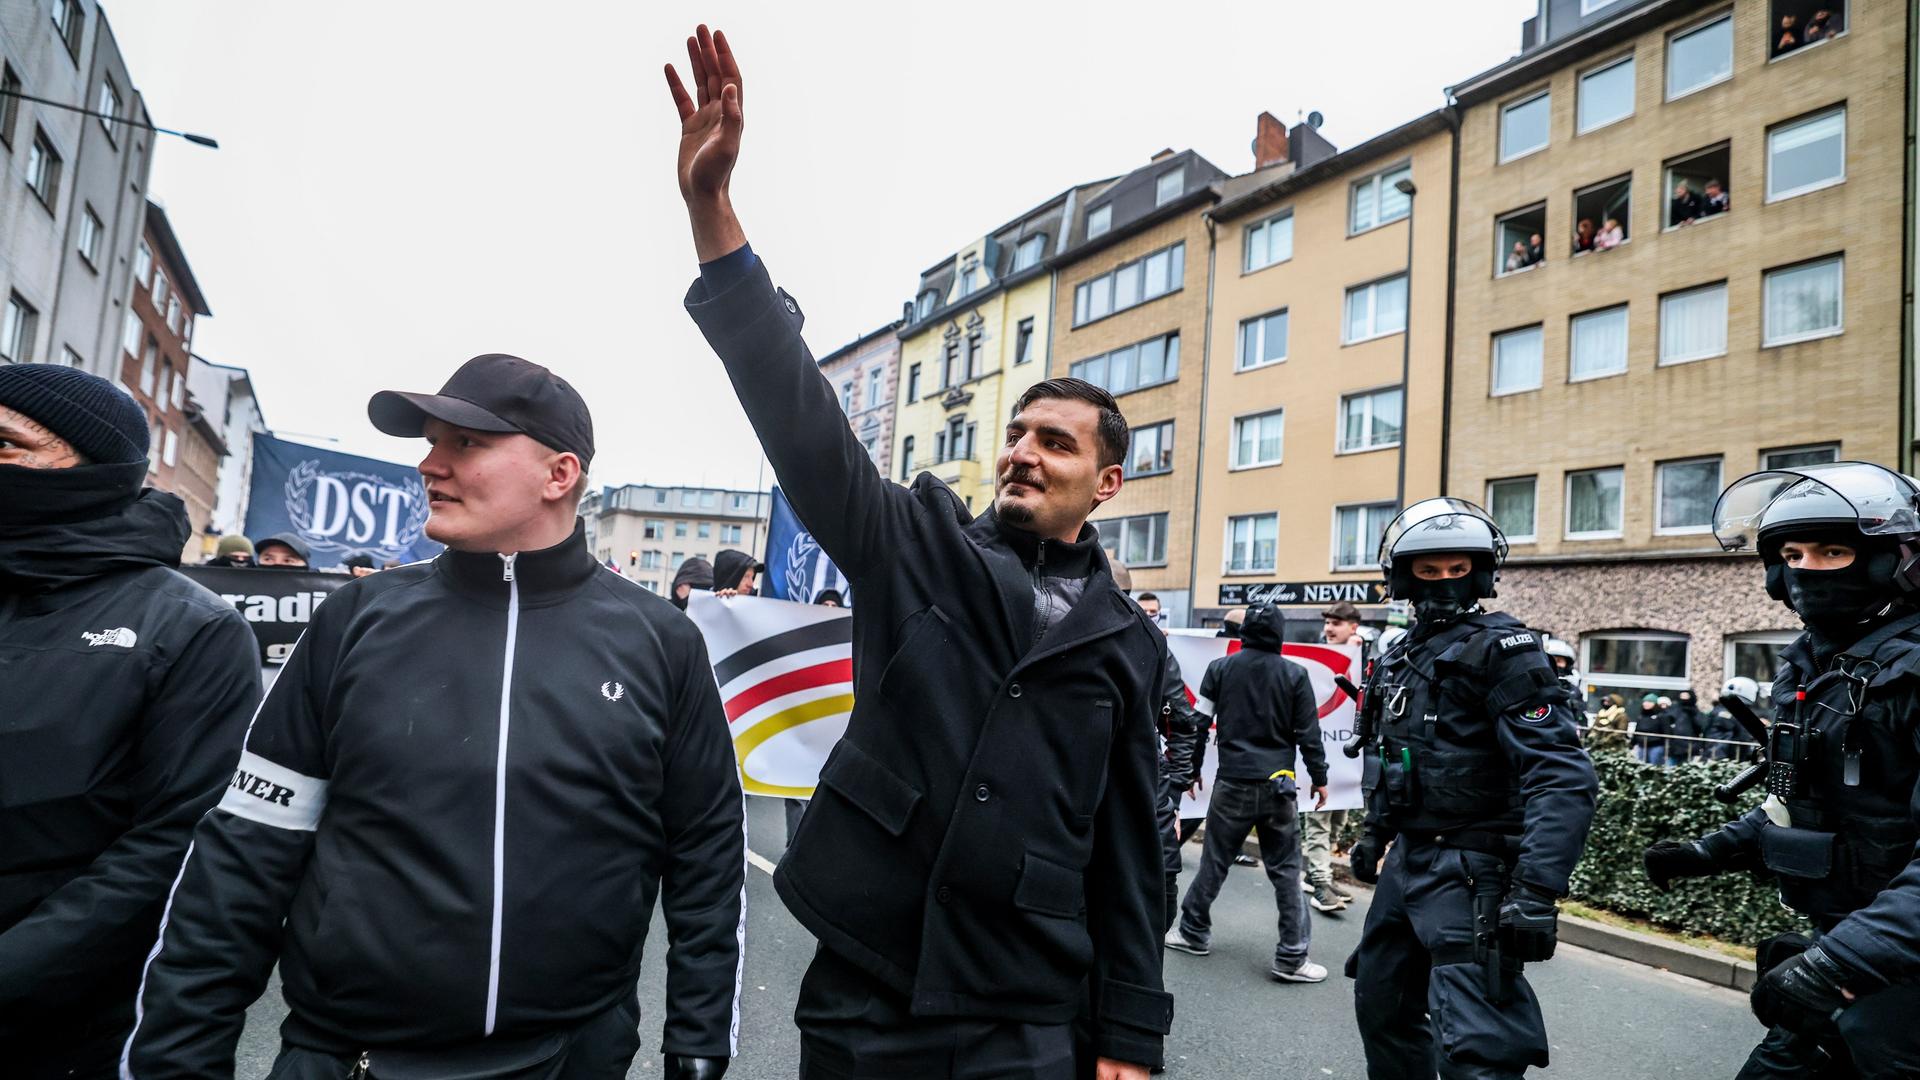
(1404, 186)
(202, 140)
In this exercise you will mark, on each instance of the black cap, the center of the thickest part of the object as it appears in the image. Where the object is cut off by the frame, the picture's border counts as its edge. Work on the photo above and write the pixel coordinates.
(290, 541)
(1344, 611)
(494, 392)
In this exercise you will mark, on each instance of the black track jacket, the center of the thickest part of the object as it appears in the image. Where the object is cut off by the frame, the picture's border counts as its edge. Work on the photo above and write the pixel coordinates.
(463, 795)
(983, 839)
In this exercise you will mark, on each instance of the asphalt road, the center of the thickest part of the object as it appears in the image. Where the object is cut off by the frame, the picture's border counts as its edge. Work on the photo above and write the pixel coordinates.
(1608, 1019)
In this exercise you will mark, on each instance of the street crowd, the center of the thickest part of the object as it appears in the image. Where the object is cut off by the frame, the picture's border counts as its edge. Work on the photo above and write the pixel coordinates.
(450, 820)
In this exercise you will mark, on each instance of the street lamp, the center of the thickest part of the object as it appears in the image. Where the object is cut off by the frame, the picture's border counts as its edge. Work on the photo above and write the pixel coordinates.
(1404, 186)
(203, 140)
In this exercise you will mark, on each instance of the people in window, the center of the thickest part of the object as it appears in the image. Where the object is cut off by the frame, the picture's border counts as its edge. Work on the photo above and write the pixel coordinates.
(1819, 28)
(1536, 249)
(1610, 237)
(1583, 236)
(1789, 34)
(1517, 258)
(1716, 201)
(1685, 206)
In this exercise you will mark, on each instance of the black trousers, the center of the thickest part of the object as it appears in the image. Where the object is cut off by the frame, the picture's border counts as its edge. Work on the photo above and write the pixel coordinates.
(853, 1027)
(1878, 1040)
(1236, 808)
(85, 1047)
(1421, 1001)
(600, 1049)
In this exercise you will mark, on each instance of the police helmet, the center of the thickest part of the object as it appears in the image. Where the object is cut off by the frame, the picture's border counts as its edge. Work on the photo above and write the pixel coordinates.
(1860, 499)
(1441, 525)
(1743, 688)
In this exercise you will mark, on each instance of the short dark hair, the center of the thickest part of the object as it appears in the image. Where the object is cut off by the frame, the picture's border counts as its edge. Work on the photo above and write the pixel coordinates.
(1146, 596)
(1112, 426)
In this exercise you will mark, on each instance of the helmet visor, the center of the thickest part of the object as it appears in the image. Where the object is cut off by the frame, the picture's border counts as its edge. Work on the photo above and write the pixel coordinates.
(1439, 508)
(1881, 501)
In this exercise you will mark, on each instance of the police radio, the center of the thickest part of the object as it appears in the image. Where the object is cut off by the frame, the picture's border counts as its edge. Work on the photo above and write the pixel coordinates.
(1786, 747)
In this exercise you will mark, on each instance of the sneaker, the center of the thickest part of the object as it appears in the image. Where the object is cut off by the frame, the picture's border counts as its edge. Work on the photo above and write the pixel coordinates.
(1177, 940)
(1307, 972)
(1244, 859)
(1305, 885)
(1344, 895)
(1324, 900)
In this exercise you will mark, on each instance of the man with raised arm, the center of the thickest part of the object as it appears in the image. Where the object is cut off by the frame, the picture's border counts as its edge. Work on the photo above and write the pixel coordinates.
(980, 861)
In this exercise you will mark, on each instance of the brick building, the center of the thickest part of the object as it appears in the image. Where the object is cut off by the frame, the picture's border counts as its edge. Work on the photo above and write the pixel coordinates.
(155, 350)
(864, 374)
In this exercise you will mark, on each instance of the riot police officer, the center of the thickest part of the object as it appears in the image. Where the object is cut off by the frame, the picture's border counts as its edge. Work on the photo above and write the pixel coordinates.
(1841, 547)
(1486, 795)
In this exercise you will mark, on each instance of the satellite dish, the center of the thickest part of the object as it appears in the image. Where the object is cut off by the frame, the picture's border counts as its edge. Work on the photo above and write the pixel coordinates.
(1314, 119)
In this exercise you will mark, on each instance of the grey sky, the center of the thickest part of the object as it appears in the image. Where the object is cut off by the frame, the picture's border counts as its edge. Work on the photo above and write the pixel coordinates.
(402, 185)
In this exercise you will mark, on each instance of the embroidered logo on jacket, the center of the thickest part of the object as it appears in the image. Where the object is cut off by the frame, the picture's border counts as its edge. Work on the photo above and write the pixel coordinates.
(1534, 716)
(612, 691)
(1514, 641)
(120, 636)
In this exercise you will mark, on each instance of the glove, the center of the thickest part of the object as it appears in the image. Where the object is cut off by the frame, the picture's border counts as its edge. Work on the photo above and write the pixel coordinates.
(1802, 994)
(1668, 860)
(1529, 923)
(1365, 856)
(693, 1068)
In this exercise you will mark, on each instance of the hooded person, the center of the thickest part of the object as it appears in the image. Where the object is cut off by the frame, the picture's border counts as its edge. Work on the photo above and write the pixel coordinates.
(125, 691)
(233, 550)
(695, 573)
(284, 550)
(735, 572)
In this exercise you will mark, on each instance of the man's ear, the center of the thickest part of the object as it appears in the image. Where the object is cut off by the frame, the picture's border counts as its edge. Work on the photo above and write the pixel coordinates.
(565, 477)
(1109, 485)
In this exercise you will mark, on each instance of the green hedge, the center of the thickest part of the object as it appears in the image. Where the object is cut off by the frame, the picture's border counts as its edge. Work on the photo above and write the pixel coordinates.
(1641, 804)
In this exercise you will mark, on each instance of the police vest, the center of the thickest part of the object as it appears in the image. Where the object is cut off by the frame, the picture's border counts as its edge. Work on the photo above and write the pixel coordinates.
(1852, 828)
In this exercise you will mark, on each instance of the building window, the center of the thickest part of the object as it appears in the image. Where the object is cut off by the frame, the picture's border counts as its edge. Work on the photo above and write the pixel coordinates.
(1029, 252)
(9, 105)
(955, 441)
(1524, 126)
(1793, 457)
(680, 530)
(1374, 202)
(969, 281)
(1693, 324)
(71, 358)
(1356, 534)
(43, 168)
(913, 383)
(69, 20)
(1520, 240)
(1513, 504)
(1516, 361)
(1804, 302)
(1252, 540)
(1593, 503)
(730, 534)
(1797, 24)
(1150, 451)
(1636, 662)
(130, 336)
(1135, 367)
(160, 290)
(88, 243)
(1757, 656)
(108, 103)
(142, 265)
(1606, 95)
(171, 453)
(16, 330)
(846, 397)
(876, 384)
(651, 560)
(951, 373)
(173, 314)
(1377, 309)
(1099, 220)
(164, 392)
(1684, 492)
(1370, 421)
(1131, 284)
(1700, 56)
(1588, 7)
(653, 529)
(703, 530)
(1168, 186)
(150, 365)
(1259, 439)
(1263, 340)
(1603, 215)
(1697, 187)
(1268, 242)
(739, 502)
(1140, 540)
(1023, 342)
(1807, 155)
(974, 355)
(923, 307)
(660, 498)
(906, 459)
(1597, 344)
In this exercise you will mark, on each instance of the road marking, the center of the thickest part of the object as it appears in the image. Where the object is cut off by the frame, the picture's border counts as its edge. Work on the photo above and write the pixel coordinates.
(760, 861)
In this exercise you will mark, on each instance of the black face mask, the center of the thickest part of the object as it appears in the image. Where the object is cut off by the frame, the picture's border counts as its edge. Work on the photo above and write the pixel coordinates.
(1838, 603)
(1443, 601)
(60, 496)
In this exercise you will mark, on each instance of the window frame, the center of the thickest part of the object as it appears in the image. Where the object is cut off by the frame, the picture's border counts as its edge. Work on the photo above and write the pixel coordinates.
(1104, 215)
(1768, 452)
(1169, 346)
(1501, 155)
(1376, 184)
(107, 101)
(50, 162)
(1340, 420)
(1803, 120)
(1161, 199)
(1499, 240)
(24, 319)
(1226, 559)
(1334, 565)
(88, 235)
(1666, 81)
(1660, 487)
(1259, 322)
(1766, 309)
(69, 33)
(1493, 361)
(1626, 355)
(1023, 342)
(1580, 96)
(1267, 224)
(1039, 242)
(1599, 225)
(1163, 445)
(1373, 310)
(1567, 530)
(875, 387)
(1660, 343)
(1624, 679)
(1532, 535)
(1234, 464)
(1157, 521)
(1588, 7)
(1779, 639)
(9, 106)
(1176, 282)
(1846, 28)
(1667, 181)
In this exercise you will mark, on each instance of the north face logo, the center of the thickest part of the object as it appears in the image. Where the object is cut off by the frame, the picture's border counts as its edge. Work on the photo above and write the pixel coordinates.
(120, 636)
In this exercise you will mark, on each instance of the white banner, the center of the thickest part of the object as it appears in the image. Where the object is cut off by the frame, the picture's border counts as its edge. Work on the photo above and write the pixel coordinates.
(1195, 649)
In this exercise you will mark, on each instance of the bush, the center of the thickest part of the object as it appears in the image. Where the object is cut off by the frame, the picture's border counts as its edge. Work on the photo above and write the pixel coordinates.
(1642, 804)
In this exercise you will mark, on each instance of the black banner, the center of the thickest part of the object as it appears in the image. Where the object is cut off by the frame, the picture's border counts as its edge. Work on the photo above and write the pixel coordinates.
(278, 604)
(1249, 593)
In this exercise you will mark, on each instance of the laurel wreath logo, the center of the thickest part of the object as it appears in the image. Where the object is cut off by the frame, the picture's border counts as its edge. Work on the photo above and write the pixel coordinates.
(299, 483)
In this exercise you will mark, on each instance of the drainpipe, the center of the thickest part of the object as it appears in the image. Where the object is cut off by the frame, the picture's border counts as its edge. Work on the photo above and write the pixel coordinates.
(1200, 440)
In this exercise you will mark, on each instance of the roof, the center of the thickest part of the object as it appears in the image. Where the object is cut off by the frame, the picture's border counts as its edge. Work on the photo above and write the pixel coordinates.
(856, 344)
(177, 267)
(1000, 248)
(1559, 53)
(1133, 193)
(1285, 183)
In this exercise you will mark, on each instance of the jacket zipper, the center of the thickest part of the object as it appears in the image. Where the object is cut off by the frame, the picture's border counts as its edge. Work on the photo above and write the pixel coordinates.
(500, 788)
(363, 1068)
(1042, 599)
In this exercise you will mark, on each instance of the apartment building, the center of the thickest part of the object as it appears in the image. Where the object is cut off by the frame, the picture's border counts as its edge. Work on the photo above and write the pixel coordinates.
(1680, 259)
(646, 531)
(1326, 368)
(864, 374)
(1129, 314)
(973, 339)
(157, 342)
(226, 396)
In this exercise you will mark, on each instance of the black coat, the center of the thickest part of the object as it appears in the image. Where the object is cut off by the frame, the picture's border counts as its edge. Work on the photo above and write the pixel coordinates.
(983, 839)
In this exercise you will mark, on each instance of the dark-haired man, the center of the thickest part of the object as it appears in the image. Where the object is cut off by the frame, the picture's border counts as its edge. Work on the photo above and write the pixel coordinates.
(980, 857)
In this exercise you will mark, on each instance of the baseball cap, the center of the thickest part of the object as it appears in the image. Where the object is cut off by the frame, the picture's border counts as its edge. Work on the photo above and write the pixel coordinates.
(494, 392)
(1343, 611)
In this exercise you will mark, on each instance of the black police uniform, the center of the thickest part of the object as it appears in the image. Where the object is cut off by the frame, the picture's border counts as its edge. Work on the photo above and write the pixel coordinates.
(1486, 787)
(1848, 861)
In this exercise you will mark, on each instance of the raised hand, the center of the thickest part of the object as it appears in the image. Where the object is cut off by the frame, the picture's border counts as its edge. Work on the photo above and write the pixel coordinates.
(711, 121)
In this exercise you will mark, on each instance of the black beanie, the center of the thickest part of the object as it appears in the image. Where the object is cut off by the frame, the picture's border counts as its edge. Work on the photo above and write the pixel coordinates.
(90, 413)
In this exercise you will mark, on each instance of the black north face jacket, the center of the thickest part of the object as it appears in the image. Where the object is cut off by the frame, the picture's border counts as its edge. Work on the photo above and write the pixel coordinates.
(452, 818)
(983, 839)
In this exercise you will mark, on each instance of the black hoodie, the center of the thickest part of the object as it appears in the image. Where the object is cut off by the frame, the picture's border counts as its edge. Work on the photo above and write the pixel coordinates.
(729, 567)
(124, 690)
(1264, 706)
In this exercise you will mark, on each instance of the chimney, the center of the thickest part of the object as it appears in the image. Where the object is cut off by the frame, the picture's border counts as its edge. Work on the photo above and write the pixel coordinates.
(1269, 141)
(1161, 156)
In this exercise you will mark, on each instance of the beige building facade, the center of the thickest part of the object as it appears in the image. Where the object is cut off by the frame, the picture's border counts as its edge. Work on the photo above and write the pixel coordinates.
(646, 531)
(1716, 288)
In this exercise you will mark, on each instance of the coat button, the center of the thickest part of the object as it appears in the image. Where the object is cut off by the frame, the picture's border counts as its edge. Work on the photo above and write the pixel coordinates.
(981, 793)
(943, 894)
(1014, 690)
(792, 307)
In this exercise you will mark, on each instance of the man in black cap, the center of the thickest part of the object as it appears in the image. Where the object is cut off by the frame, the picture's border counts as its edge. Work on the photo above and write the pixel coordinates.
(124, 688)
(463, 794)
(285, 550)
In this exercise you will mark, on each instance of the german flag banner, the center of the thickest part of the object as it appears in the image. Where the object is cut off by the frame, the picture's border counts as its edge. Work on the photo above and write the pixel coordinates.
(1195, 649)
(785, 672)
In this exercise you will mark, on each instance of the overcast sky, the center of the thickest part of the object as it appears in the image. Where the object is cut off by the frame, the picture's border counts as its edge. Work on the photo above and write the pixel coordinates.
(402, 185)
